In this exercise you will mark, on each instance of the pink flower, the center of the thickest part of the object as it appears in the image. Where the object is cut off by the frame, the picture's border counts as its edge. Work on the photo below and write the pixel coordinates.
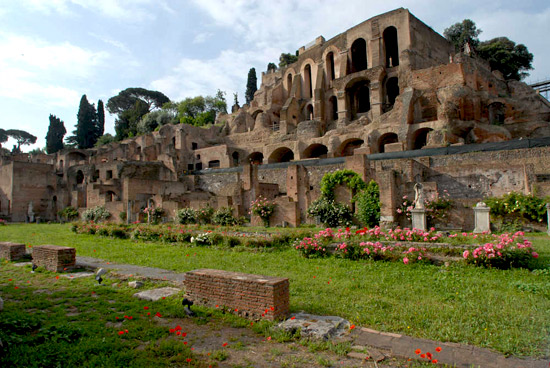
(465, 254)
(535, 255)
(405, 260)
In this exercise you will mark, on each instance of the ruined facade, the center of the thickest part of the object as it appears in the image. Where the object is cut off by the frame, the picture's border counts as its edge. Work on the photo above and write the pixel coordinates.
(360, 100)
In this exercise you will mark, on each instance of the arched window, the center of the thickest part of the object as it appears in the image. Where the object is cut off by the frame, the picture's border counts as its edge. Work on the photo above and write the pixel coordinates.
(309, 112)
(347, 147)
(315, 151)
(392, 91)
(358, 55)
(307, 81)
(362, 99)
(330, 66)
(333, 108)
(387, 138)
(391, 47)
(256, 158)
(289, 83)
(282, 154)
(420, 138)
(496, 113)
(79, 177)
(235, 156)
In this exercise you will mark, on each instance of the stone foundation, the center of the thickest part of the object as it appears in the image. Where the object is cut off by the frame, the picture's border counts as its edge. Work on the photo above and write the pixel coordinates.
(12, 251)
(248, 295)
(54, 258)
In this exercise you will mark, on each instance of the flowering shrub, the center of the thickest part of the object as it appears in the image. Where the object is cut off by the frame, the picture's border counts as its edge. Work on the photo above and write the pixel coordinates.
(365, 250)
(508, 252)
(186, 216)
(96, 214)
(413, 255)
(309, 247)
(330, 213)
(526, 206)
(437, 207)
(398, 234)
(2, 222)
(224, 217)
(368, 205)
(204, 215)
(154, 214)
(263, 208)
(201, 239)
(69, 213)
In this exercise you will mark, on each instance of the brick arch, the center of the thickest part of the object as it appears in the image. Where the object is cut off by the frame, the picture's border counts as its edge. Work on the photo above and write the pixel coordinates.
(337, 61)
(313, 69)
(347, 147)
(281, 154)
(386, 138)
(315, 150)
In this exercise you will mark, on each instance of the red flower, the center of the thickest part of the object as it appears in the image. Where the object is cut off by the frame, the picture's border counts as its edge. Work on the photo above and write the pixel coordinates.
(172, 330)
(121, 332)
(188, 360)
(224, 344)
(417, 351)
(178, 328)
(422, 356)
(185, 343)
(183, 334)
(57, 277)
(434, 361)
(438, 349)
(158, 315)
(351, 327)
(429, 355)
(145, 308)
(272, 308)
(292, 317)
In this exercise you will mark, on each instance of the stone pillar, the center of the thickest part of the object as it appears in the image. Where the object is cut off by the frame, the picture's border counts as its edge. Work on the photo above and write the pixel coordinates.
(418, 216)
(548, 216)
(388, 198)
(482, 218)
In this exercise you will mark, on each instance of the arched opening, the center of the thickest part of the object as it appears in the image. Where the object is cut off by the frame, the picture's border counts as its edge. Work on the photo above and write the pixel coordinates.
(420, 138)
(330, 66)
(348, 146)
(387, 138)
(282, 154)
(315, 151)
(392, 91)
(235, 157)
(358, 55)
(307, 81)
(289, 83)
(111, 196)
(174, 141)
(79, 177)
(194, 145)
(496, 113)
(213, 164)
(391, 47)
(358, 95)
(333, 108)
(256, 158)
(309, 112)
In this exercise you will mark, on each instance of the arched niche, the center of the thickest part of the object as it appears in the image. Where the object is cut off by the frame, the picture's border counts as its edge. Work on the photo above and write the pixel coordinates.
(315, 151)
(358, 55)
(235, 157)
(308, 82)
(358, 98)
(387, 138)
(391, 47)
(392, 91)
(332, 110)
(347, 147)
(329, 62)
(419, 138)
(282, 154)
(256, 158)
(79, 177)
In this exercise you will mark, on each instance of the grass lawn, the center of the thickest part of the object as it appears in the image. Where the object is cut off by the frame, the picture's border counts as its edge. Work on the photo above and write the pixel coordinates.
(505, 310)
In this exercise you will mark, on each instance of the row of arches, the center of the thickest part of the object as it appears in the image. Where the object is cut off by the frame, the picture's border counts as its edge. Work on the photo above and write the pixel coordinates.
(418, 140)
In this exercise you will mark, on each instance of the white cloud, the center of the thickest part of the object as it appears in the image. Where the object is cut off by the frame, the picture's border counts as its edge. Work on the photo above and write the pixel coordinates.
(202, 37)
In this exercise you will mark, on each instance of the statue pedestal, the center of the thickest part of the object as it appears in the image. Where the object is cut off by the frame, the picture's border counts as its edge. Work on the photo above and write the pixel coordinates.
(418, 216)
(482, 218)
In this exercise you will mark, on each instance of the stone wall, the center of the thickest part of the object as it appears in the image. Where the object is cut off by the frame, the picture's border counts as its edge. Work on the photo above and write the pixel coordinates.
(54, 258)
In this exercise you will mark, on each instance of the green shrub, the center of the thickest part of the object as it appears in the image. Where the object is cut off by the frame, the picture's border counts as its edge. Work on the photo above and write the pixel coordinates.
(348, 177)
(96, 214)
(123, 216)
(186, 216)
(263, 208)
(224, 217)
(154, 214)
(368, 205)
(204, 215)
(68, 213)
(526, 206)
(330, 213)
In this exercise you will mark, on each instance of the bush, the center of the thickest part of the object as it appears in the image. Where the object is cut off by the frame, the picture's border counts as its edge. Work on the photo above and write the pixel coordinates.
(368, 205)
(526, 206)
(68, 213)
(201, 239)
(224, 217)
(186, 216)
(123, 216)
(330, 213)
(348, 177)
(204, 215)
(96, 214)
(154, 214)
(263, 208)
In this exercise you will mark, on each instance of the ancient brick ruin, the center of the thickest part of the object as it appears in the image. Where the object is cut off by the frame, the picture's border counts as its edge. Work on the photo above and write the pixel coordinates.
(54, 258)
(388, 98)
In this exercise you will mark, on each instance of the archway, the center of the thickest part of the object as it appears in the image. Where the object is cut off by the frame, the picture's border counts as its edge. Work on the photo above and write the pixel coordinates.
(333, 108)
(256, 158)
(315, 151)
(391, 47)
(309, 112)
(387, 138)
(307, 81)
(111, 196)
(420, 138)
(358, 55)
(348, 146)
(79, 177)
(358, 96)
(235, 157)
(282, 154)
(392, 91)
(289, 83)
(330, 66)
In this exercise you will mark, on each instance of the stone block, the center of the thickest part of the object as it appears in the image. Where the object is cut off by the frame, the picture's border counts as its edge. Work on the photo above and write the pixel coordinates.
(157, 294)
(12, 251)
(54, 258)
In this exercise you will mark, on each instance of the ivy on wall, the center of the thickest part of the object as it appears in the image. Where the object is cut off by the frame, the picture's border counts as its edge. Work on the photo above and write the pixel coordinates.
(341, 177)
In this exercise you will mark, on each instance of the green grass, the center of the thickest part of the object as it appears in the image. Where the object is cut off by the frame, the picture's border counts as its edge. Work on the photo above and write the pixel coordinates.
(505, 310)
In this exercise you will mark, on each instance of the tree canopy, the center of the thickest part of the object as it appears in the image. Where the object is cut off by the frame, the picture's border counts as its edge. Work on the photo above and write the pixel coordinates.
(201, 110)
(130, 105)
(3, 136)
(100, 119)
(87, 130)
(251, 85)
(271, 66)
(54, 137)
(504, 55)
(22, 137)
(287, 59)
(461, 33)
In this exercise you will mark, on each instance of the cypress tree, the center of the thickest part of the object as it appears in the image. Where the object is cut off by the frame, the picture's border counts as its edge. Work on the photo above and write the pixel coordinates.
(100, 119)
(251, 85)
(54, 138)
(86, 126)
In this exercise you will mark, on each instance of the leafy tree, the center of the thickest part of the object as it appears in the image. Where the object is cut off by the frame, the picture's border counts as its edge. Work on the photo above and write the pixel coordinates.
(271, 66)
(85, 134)
(155, 119)
(287, 59)
(461, 33)
(251, 85)
(504, 55)
(105, 139)
(37, 151)
(3, 136)
(100, 119)
(56, 132)
(201, 110)
(131, 105)
(22, 137)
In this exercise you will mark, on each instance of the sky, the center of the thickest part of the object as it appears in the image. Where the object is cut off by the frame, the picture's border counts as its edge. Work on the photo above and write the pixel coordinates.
(54, 51)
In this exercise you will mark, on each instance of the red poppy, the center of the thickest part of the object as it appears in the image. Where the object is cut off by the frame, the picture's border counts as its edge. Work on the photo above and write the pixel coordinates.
(429, 355)
(17, 287)
(417, 351)
(57, 277)
(145, 308)
(184, 334)
(351, 327)
(422, 356)
(434, 361)
(292, 317)
(438, 349)
(185, 343)
(172, 330)
(158, 315)
(224, 344)
(272, 308)
(178, 328)
(188, 360)
(121, 332)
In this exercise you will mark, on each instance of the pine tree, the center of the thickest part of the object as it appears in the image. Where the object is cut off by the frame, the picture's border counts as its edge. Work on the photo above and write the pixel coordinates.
(54, 138)
(251, 85)
(100, 119)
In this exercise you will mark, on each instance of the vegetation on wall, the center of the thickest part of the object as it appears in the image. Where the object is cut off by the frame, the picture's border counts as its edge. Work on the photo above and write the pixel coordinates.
(341, 177)
(368, 205)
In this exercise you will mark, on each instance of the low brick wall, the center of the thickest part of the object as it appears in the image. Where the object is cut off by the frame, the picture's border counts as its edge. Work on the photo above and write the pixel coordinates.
(54, 258)
(250, 296)
(12, 251)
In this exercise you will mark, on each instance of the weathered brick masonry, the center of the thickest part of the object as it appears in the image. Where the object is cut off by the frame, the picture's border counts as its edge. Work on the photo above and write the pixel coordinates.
(54, 258)
(12, 251)
(249, 295)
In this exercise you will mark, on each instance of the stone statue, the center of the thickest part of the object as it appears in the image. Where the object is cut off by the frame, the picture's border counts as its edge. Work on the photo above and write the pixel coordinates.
(30, 212)
(418, 196)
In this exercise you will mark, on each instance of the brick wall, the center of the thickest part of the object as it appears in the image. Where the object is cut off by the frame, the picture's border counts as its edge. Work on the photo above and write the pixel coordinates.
(12, 251)
(247, 295)
(54, 258)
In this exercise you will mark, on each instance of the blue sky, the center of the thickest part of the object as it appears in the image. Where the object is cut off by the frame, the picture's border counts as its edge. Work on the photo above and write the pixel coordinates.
(54, 51)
